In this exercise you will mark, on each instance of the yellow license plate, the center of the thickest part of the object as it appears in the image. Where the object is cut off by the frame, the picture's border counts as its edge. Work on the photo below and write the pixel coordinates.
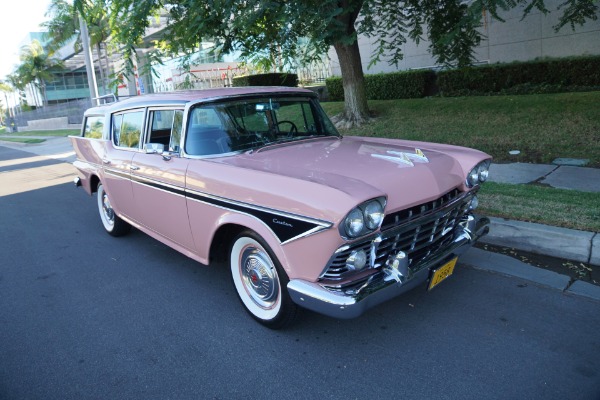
(442, 273)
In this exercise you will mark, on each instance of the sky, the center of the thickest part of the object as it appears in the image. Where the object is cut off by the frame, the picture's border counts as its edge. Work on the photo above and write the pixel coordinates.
(19, 17)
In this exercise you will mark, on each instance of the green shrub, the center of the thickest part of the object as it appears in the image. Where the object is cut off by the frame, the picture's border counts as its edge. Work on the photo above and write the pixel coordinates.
(335, 88)
(272, 79)
(395, 85)
(549, 76)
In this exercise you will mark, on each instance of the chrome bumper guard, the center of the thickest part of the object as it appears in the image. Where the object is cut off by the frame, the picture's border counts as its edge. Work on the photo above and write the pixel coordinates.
(380, 288)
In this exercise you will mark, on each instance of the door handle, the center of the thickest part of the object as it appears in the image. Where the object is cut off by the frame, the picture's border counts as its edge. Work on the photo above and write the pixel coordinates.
(105, 161)
(134, 167)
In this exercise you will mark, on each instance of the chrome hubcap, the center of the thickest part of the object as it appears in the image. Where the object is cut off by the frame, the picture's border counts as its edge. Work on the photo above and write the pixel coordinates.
(259, 277)
(107, 209)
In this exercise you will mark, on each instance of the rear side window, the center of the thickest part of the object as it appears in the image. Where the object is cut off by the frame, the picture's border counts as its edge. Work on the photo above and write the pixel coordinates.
(165, 128)
(94, 127)
(127, 129)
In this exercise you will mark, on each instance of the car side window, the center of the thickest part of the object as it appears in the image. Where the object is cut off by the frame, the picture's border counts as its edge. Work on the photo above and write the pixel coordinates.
(165, 128)
(127, 129)
(93, 127)
(206, 134)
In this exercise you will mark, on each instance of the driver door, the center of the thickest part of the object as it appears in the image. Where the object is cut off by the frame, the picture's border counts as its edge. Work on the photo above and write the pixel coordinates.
(158, 179)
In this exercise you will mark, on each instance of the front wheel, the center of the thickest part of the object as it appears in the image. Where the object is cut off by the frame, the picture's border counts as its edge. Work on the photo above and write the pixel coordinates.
(260, 282)
(114, 225)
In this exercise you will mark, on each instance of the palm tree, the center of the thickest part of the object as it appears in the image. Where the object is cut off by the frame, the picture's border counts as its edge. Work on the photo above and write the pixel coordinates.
(36, 67)
(5, 89)
(63, 27)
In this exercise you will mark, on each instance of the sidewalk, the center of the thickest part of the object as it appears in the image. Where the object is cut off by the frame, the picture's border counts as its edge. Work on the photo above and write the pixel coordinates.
(552, 241)
(543, 239)
(57, 148)
(548, 240)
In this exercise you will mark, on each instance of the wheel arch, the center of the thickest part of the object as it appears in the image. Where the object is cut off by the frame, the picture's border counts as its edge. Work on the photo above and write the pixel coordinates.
(231, 226)
(94, 181)
(219, 247)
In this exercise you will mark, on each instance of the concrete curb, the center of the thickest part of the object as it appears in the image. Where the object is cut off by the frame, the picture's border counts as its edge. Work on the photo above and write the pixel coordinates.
(548, 240)
(508, 266)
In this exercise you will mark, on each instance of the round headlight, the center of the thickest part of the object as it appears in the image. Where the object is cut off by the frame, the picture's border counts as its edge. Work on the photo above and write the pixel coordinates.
(473, 177)
(354, 223)
(373, 215)
(483, 172)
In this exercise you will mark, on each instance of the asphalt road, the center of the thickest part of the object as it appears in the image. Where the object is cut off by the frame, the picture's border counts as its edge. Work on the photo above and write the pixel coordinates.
(87, 316)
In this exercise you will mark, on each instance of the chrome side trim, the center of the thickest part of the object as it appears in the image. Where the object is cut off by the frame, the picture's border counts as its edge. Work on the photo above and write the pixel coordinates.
(157, 184)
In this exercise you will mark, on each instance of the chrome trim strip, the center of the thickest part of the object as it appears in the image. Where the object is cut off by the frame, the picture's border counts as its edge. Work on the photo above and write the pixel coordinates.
(157, 184)
(117, 173)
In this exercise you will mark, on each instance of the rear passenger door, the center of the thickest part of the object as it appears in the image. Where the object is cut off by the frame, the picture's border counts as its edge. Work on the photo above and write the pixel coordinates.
(125, 142)
(158, 179)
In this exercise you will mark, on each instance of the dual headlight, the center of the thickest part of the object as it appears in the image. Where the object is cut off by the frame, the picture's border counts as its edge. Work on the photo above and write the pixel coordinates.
(479, 174)
(364, 219)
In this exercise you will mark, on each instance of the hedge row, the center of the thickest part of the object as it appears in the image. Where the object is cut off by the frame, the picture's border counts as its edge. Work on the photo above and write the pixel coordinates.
(525, 77)
(551, 76)
(395, 85)
(273, 79)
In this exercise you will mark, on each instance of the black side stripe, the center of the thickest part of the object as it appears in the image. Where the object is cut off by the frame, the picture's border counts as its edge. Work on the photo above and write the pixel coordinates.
(285, 226)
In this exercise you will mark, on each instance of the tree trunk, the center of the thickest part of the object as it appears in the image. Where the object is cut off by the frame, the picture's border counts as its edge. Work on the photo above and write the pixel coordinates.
(44, 95)
(111, 85)
(102, 76)
(356, 110)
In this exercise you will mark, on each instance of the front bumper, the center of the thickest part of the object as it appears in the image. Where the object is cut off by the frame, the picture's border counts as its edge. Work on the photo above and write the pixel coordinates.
(379, 287)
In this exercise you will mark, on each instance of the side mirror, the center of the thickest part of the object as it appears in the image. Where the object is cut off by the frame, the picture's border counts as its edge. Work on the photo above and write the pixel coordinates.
(154, 148)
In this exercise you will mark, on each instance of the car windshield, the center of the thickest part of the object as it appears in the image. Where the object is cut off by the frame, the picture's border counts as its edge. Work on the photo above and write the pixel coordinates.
(250, 124)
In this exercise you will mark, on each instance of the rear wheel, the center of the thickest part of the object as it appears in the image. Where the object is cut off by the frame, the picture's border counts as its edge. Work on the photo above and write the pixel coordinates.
(111, 222)
(260, 282)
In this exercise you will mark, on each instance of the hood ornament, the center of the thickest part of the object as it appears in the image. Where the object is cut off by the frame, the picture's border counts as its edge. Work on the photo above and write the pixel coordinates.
(403, 158)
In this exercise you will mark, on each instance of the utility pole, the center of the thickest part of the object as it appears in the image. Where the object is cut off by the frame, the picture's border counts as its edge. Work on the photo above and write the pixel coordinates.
(89, 63)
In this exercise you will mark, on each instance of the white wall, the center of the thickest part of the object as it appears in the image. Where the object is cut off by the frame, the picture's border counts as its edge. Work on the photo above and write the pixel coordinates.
(512, 40)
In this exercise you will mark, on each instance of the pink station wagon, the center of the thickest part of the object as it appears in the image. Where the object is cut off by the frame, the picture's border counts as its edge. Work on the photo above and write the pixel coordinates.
(303, 216)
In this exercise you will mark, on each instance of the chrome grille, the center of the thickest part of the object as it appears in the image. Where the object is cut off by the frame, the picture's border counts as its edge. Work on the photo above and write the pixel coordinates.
(419, 237)
(412, 213)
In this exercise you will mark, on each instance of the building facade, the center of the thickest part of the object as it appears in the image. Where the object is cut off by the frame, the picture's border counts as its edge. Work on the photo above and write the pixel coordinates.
(515, 39)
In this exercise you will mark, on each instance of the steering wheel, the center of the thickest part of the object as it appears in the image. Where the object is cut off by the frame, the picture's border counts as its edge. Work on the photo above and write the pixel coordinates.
(293, 127)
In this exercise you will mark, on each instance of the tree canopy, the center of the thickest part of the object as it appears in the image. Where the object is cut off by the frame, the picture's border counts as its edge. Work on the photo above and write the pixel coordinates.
(36, 66)
(255, 26)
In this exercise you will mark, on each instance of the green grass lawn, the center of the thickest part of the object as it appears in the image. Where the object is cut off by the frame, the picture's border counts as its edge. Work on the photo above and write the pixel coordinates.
(534, 203)
(541, 127)
(58, 132)
(21, 140)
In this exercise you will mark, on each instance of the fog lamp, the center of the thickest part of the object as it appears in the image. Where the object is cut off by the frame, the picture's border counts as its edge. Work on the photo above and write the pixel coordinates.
(357, 260)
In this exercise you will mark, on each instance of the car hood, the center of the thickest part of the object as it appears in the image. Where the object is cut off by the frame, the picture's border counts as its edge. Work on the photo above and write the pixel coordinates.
(407, 172)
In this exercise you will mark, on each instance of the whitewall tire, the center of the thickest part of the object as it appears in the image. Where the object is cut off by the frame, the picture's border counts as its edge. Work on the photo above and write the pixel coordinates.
(260, 282)
(114, 225)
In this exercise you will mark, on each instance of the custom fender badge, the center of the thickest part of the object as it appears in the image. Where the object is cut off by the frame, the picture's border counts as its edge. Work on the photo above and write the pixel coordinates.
(403, 158)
